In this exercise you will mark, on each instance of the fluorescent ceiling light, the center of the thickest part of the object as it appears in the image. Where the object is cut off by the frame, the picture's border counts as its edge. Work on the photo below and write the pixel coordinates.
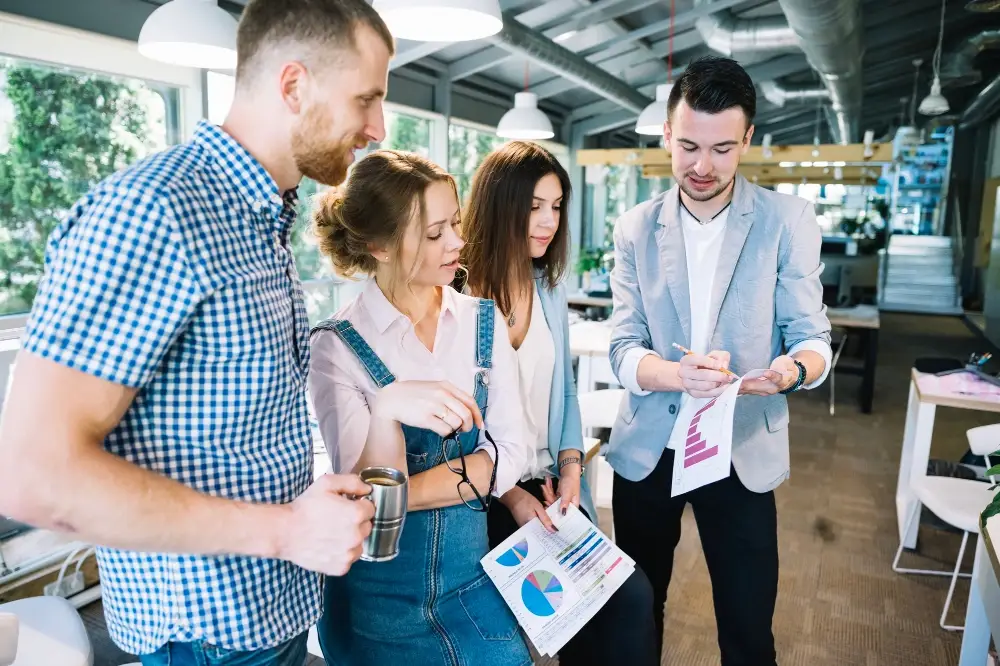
(525, 120)
(190, 33)
(934, 104)
(441, 20)
(653, 117)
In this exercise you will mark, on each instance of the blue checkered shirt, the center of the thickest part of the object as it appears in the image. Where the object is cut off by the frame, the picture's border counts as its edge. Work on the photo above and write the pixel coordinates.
(175, 277)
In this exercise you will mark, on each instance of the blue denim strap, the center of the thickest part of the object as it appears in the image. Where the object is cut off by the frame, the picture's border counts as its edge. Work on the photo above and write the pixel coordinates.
(484, 334)
(376, 369)
(484, 352)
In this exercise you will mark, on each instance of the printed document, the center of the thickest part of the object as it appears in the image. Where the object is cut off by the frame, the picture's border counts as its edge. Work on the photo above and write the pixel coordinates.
(707, 453)
(555, 582)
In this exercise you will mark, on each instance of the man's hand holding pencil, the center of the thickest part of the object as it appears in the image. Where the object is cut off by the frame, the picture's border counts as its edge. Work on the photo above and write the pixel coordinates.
(704, 376)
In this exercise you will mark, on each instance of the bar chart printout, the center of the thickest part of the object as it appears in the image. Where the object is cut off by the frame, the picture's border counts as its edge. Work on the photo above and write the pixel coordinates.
(555, 582)
(707, 453)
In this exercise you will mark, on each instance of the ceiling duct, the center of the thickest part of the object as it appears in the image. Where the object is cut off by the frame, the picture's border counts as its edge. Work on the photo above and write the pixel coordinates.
(778, 96)
(983, 107)
(724, 33)
(830, 35)
(518, 39)
(960, 68)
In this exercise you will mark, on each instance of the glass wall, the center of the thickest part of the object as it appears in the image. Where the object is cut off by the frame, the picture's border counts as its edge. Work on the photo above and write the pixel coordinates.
(467, 148)
(61, 132)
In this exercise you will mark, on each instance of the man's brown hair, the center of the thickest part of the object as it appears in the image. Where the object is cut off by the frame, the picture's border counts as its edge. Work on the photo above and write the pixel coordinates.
(313, 23)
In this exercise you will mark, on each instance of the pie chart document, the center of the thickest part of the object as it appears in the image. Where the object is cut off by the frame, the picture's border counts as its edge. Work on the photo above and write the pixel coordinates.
(554, 583)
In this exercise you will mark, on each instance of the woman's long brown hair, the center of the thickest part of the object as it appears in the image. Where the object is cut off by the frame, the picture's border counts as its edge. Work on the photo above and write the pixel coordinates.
(495, 224)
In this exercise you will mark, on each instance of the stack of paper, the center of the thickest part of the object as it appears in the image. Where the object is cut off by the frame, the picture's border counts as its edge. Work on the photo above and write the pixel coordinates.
(555, 582)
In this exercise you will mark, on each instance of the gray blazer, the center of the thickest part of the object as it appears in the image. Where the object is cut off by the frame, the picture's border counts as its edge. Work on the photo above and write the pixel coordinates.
(766, 298)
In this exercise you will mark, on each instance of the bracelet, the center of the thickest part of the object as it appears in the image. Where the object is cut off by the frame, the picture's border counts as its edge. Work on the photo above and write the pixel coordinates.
(569, 461)
(798, 382)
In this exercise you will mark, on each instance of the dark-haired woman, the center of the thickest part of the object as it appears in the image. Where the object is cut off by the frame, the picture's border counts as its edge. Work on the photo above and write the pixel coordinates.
(392, 376)
(517, 243)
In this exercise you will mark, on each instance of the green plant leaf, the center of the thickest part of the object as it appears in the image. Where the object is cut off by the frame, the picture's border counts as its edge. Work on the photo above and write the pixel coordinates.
(992, 509)
(993, 471)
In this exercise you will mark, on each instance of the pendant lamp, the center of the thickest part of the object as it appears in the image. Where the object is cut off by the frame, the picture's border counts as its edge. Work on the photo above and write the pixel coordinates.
(525, 120)
(440, 20)
(190, 33)
(653, 117)
(935, 103)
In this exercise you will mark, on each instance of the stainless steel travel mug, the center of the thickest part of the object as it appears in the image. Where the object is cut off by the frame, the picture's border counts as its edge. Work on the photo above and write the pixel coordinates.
(389, 494)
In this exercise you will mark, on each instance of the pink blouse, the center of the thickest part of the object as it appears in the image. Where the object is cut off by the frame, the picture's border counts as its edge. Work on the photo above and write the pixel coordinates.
(342, 391)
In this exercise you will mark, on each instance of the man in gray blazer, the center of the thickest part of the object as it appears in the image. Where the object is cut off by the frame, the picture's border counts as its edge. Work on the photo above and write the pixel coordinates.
(730, 271)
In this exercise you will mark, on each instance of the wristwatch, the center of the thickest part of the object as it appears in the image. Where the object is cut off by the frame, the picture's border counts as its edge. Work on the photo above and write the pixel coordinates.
(798, 382)
(570, 461)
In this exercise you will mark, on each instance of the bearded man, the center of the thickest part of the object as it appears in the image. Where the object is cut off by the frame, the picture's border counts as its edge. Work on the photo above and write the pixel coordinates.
(731, 272)
(158, 407)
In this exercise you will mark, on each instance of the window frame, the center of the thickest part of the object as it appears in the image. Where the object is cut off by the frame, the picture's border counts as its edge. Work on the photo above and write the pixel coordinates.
(59, 46)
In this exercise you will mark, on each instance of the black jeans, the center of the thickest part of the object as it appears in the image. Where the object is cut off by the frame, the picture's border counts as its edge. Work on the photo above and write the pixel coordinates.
(739, 536)
(622, 632)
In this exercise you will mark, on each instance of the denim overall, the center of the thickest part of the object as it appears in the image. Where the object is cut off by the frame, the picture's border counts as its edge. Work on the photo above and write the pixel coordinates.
(432, 605)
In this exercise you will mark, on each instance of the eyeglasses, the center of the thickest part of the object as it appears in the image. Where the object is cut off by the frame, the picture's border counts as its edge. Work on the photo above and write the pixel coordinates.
(466, 490)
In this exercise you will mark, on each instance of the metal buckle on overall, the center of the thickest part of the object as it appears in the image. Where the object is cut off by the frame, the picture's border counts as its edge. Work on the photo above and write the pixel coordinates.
(484, 376)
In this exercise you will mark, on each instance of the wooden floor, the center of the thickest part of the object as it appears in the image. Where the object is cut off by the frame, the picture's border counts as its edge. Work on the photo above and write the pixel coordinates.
(839, 602)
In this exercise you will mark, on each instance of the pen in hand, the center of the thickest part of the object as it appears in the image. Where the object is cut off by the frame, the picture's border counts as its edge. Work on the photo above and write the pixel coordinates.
(687, 351)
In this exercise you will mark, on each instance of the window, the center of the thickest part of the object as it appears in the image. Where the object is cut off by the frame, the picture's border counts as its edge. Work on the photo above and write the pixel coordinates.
(63, 130)
(467, 148)
(407, 132)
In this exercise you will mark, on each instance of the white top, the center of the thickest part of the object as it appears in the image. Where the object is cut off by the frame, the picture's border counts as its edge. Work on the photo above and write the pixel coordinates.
(702, 246)
(535, 364)
(342, 391)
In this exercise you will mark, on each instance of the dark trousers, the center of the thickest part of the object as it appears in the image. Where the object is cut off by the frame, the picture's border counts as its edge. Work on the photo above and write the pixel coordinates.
(622, 632)
(739, 536)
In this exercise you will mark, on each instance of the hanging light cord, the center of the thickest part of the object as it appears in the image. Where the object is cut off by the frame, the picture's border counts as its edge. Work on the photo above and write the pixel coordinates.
(936, 61)
(670, 46)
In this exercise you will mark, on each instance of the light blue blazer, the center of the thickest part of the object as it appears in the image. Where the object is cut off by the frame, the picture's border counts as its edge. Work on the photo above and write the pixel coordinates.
(565, 427)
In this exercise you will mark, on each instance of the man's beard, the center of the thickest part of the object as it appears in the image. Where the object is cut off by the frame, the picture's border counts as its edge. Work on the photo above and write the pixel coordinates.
(323, 161)
(697, 195)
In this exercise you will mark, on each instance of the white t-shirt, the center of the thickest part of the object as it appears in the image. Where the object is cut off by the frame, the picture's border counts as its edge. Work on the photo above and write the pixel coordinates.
(535, 363)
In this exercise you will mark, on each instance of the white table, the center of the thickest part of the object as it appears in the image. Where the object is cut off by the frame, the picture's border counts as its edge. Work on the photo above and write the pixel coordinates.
(591, 342)
(923, 403)
(982, 615)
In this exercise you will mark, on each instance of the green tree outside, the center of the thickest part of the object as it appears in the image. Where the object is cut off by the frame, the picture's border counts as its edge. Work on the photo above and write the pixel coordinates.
(467, 148)
(62, 133)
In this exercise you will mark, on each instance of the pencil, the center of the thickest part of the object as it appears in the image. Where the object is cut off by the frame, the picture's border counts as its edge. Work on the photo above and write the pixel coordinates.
(688, 351)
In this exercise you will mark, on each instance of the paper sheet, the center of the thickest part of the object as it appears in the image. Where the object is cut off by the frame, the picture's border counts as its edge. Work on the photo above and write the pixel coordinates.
(554, 583)
(708, 443)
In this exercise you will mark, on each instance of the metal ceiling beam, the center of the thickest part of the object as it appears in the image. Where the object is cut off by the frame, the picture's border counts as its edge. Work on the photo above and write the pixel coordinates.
(770, 69)
(575, 18)
(527, 43)
(606, 123)
(619, 63)
(535, 16)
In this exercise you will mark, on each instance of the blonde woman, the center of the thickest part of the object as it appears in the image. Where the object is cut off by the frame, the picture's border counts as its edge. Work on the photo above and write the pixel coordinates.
(402, 376)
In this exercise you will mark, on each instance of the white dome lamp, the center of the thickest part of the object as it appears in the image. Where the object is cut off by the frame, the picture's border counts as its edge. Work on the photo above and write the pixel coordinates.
(525, 120)
(441, 20)
(190, 33)
(653, 117)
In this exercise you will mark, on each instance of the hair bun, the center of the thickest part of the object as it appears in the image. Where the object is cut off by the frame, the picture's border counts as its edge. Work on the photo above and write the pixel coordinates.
(337, 236)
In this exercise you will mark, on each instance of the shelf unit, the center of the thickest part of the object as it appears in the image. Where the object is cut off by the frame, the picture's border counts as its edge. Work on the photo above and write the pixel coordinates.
(920, 184)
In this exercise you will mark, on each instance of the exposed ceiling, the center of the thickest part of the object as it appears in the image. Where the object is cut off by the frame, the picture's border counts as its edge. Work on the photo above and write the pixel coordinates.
(594, 63)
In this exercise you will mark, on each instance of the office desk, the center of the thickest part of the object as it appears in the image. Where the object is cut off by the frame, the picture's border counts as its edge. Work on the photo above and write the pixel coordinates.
(982, 615)
(927, 393)
(863, 320)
